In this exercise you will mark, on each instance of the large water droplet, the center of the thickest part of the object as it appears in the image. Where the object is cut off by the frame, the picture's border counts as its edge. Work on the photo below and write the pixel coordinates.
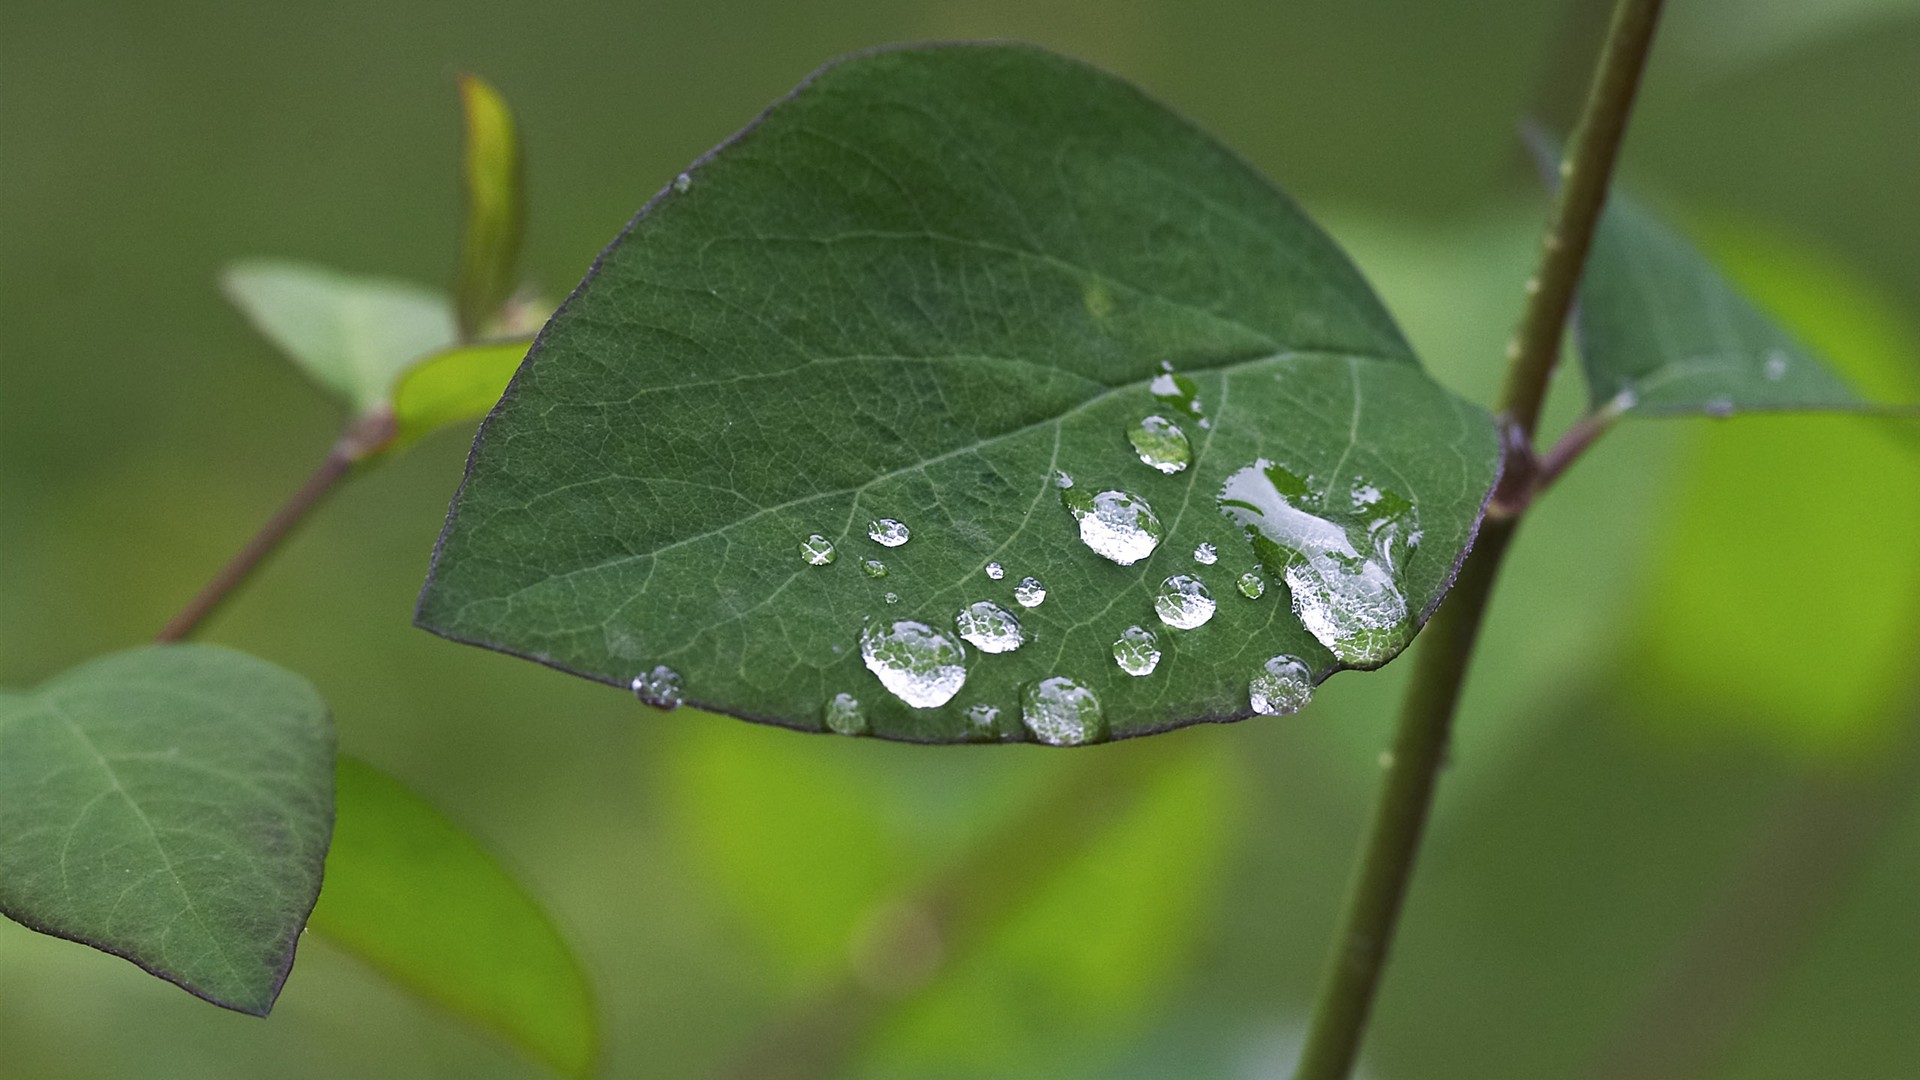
(990, 628)
(1206, 554)
(1252, 585)
(844, 715)
(873, 568)
(1341, 556)
(1117, 525)
(919, 665)
(1283, 686)
(659, 688)
(996, 571)
(1061, 712)
(817, 550)
(1161, 444)
(1184, 602)
(888, 533)
(1030, 593)
(1137, 651)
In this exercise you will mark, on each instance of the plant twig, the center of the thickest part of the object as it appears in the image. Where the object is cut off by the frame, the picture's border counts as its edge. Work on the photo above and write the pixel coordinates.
(362, 437)
(1413, 765)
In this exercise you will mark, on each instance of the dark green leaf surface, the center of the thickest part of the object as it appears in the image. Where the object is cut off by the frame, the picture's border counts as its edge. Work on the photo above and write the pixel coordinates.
(915, 289)
(170, 805)
(427, 905)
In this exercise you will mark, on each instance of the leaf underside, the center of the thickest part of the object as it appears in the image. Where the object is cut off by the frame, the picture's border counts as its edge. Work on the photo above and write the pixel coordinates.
(915, 289)
(170, 805)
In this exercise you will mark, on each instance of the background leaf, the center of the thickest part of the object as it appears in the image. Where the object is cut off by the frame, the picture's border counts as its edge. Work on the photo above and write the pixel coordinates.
(352, 335)
(420, 900)
(170, 805)
(459, 384)
(916, 289)
(496, 206)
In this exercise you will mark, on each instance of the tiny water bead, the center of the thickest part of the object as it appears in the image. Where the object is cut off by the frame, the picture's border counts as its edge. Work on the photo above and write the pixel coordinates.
(919, 665)
(1030, 593)
(682, 182)
(873, 568)
(1776, 366)
(996, 571)
(888, 532)
(1252, 585)
(1184, 602)
(1720, 407)
(893, 598)
(1160, 443)
(1137, 651)
(1206, 554)
(1061, 712)
(844, 715)
(1283, 686)
(659, 688)
(1117, 525)
(1061, 479)
(983, 720)
(990, 628)
(817, 550)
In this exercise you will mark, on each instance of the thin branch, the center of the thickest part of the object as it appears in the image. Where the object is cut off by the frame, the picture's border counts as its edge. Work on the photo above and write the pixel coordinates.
(361, 438)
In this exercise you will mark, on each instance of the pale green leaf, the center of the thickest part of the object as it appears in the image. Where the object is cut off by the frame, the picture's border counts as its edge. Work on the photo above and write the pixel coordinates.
(456, 386)
(496, 207)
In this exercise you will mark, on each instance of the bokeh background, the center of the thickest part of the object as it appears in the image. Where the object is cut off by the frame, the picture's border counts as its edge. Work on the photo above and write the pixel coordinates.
(1679, 836)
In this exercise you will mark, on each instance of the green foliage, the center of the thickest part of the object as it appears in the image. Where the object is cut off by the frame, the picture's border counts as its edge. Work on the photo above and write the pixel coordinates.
(170, 805)
(454, 386)
(915, 289)
(496, 207)
(423, 902)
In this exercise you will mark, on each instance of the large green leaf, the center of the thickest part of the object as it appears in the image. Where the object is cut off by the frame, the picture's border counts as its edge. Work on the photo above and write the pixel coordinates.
(917, 289)
(170, 805)
(426, 904)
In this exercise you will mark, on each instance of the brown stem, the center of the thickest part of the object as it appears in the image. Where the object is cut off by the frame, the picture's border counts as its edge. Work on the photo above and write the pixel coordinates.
(363, 437)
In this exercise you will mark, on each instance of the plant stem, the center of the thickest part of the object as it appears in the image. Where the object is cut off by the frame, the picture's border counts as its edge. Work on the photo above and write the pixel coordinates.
(1426, 718)
(362, 437)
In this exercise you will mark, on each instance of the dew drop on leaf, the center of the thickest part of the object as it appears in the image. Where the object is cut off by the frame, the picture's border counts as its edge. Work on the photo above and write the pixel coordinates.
(989, 627)
(1061, 712)
(817, 550)
(844, 715)
(1116, 525)
(1161, 444)
(1175, 391)
(1283, 686)
(659, 688)
(888, 532)
(1206, 554)
(1252, 585)
(983, 720)
(682, 182)
(893, 598)
(919, 665)
(1776, 366)
(873, 568)
(1030, 593)
(1137, 651)
(1184, 602)
(1061, 479)
(996, 571)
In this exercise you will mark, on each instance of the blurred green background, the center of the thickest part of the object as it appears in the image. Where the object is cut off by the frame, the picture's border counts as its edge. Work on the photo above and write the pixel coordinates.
(1679, 834)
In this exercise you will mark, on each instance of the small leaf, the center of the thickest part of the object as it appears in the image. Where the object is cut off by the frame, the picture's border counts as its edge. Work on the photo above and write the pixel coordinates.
(914, 291)
(352, 335)
(455, 386)
(424, 903)
(170, 805)
(496, 207)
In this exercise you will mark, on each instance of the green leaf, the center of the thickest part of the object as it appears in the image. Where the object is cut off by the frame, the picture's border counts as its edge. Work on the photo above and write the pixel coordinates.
(455, 386)
(496, 207)
(352, 335)
(421, 901)
(915, 289)
(170, 805)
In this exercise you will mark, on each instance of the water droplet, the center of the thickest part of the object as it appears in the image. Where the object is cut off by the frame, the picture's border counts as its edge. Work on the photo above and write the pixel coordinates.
(844, 715)
(817, 550)
(1137, 651)
(893, 598)
(887, 532)
(919, 665)
(996, 571)
(990, 628)
(1161, 444)
(1184, 602)
(983, 721)
(1061, 712)
(1776, 368)
(1030, 592)
(1117, 525)
(1252, 585)
(659, 688)
(1720, 408)
(1340, 557)
(1206, 554)
(1175, 391)
(1283, 686)
(1061, 479)
(682, 182)
(873, 567)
